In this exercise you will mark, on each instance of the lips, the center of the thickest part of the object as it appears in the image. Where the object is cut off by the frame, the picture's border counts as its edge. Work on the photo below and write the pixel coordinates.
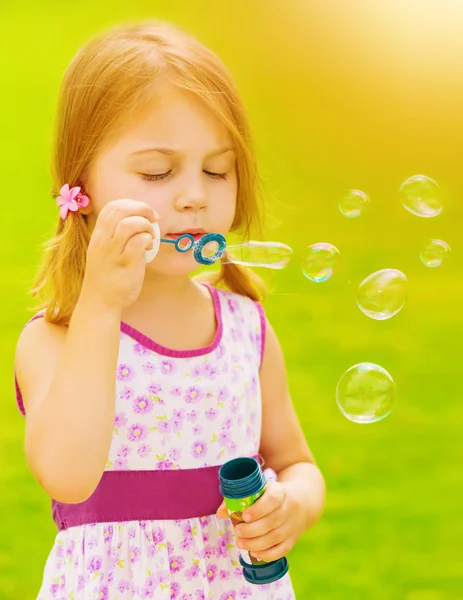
(196, 233)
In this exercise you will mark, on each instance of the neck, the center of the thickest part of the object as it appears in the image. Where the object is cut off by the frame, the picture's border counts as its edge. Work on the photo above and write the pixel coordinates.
(161, 291)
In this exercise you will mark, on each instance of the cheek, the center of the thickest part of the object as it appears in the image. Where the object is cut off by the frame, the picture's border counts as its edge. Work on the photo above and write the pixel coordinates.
(231, 214)
(226, 207)
(124, 187)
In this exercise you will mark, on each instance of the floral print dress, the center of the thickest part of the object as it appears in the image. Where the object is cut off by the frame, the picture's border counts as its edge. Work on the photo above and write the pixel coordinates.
(174, 410)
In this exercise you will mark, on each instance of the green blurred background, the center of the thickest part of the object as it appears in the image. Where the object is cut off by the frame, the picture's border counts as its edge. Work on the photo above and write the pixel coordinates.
(341, 94)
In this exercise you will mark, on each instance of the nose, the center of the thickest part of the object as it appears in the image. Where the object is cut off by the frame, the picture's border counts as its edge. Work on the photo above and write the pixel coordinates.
(193, 195)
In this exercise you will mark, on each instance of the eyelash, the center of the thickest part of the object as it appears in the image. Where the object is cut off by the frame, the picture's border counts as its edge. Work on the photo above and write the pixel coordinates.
(161, 176)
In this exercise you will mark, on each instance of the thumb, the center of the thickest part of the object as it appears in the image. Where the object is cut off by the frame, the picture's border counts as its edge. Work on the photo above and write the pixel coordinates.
(222, 511)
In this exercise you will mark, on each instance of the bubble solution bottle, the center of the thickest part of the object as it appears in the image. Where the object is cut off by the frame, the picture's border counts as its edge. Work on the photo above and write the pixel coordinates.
(241, 483)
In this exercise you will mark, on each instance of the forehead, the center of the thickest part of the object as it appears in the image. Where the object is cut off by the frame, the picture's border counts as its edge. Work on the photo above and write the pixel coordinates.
(176, 119)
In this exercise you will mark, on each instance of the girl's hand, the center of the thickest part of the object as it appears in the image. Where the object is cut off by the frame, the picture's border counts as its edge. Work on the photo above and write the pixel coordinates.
(273, 523)
(115, 259)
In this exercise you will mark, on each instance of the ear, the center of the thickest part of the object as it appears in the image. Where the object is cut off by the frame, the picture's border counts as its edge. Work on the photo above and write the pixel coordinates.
(88, 209)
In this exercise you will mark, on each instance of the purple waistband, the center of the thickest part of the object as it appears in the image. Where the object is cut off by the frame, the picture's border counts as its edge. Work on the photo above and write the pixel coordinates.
(145, 496)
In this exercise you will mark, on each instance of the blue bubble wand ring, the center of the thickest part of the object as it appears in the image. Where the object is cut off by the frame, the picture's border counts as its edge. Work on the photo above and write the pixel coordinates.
(186, 242)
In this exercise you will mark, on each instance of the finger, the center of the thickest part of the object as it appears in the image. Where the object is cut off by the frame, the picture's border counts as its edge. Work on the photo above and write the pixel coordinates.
(222, 511)
(127, 228)
(262, 526)
(272, 499)
(136, 246)
(277, 551)
(263, 542)
(117, 210)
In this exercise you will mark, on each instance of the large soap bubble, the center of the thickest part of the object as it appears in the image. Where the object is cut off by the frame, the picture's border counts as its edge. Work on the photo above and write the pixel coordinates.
(271, 255)
(421, 196)
(366, 393)
(382, 294)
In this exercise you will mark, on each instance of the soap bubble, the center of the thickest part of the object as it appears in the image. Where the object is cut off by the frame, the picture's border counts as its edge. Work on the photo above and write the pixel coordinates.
(366, 393)
(434, 252)
(271, 255)
(210, 249)
(353, 204)
(421, 196)
(382, 294)
(320, 261)
(185, 242)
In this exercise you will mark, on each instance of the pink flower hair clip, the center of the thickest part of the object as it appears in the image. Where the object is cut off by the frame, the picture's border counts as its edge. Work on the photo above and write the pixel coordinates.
(70, 200)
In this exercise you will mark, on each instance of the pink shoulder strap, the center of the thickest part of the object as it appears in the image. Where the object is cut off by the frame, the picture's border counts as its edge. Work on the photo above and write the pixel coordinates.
(232, 302)
(263, 328)
(19, 398)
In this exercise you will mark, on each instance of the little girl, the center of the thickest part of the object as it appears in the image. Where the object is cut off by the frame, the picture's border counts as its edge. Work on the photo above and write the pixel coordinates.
(138, 381)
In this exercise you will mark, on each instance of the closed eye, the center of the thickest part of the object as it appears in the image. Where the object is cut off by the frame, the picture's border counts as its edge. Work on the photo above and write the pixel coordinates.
(216, 175)
(161, 176)
(155, 177)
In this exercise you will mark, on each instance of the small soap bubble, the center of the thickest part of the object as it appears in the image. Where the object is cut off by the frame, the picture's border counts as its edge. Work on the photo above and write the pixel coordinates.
(366, 393)
(382, 294)
(434, 252)
(270, 255)
(184, 242)
(210, 249)
(320, 261)
(421, 196)
(353, 204)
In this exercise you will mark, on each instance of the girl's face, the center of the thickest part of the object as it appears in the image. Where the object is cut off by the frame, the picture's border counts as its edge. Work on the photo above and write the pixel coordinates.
(179, 159)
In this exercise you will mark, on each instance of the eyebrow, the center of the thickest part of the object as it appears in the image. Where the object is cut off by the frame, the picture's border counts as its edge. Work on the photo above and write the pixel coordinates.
(171, 151)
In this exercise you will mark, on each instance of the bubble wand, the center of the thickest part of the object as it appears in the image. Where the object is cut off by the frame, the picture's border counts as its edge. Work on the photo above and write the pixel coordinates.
(273, 255)
(186, 242)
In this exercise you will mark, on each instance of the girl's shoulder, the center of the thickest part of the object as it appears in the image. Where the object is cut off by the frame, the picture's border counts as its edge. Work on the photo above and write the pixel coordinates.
(38, 350)
(39, 329)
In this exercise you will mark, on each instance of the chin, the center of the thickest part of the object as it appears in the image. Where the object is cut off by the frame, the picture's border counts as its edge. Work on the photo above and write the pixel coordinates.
(178, 266)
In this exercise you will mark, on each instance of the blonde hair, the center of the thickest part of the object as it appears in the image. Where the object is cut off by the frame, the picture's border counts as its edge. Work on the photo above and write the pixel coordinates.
(110, 77)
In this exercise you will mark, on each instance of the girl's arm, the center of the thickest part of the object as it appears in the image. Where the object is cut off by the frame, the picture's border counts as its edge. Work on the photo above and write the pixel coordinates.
(291, 505)
(67, 376)
(283, 444)
(67, 380)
